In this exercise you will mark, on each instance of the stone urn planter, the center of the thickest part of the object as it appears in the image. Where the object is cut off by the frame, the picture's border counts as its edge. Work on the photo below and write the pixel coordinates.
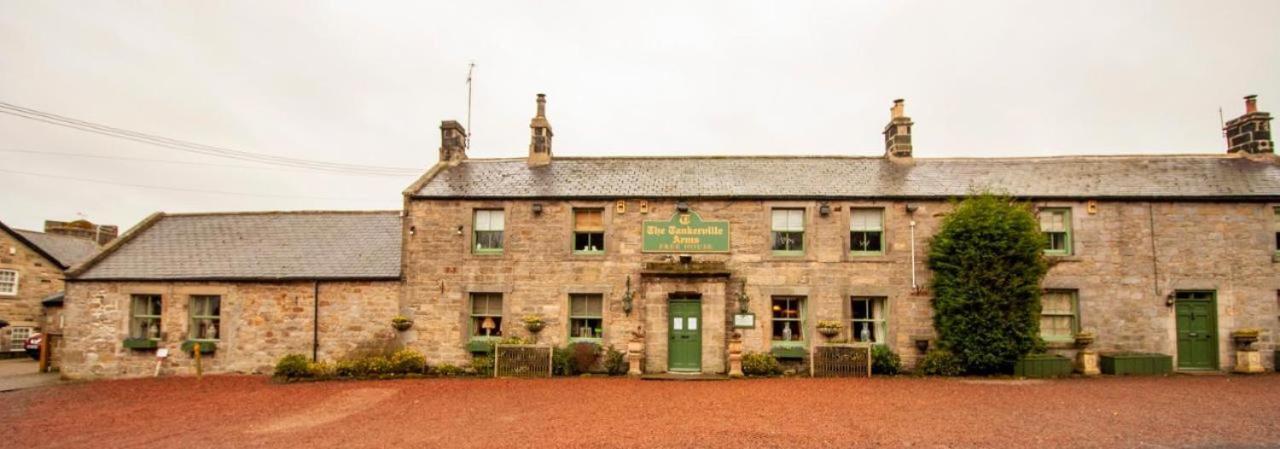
(1245, 338)
(401, 323)
(1084, 339)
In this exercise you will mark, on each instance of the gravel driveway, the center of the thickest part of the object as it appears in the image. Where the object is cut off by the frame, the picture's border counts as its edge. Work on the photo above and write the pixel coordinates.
(242, 411)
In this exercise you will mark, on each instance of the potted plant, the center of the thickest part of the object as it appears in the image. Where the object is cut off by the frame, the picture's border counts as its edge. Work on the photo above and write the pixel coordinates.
(829, 328)
(533, 323)
(1246, 336)
(401, 323)
(1084, 339)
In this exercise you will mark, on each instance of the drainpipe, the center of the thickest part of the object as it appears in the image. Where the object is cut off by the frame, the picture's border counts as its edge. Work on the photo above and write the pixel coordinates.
(315, 322)
(911, 210)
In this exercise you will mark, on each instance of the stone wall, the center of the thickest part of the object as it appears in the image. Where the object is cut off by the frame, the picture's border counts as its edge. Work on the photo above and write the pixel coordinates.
(1223, 247)
(38, 278)
(261, 322)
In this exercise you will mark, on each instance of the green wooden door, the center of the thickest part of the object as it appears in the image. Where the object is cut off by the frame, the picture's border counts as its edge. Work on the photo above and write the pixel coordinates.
(1197, 330)
(684, 347)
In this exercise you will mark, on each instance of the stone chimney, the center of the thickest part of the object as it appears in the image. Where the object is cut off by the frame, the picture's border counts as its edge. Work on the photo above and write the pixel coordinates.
(84, 229)
(540, 143)
(1251, 132)
(897, 134)
(453, 142)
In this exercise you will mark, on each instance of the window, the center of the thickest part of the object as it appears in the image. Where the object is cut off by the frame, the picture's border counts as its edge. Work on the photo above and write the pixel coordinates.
(866, 232)
(18, 337)
(867, 319)
(788, 231)
(8, 282)
(1275, 227)
(1056, 226)
(488, 231)
(588, 231)
(586, 316)
(788, 319)
(1059, 315)
(146, 317)
(206, 317)
(486, 315)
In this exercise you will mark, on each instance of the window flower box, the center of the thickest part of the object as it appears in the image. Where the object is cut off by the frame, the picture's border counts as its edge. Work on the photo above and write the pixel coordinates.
(206, 347)
(789, 352)
(1042, 366)
(1136, 364)
(480, 345)
(141, 344)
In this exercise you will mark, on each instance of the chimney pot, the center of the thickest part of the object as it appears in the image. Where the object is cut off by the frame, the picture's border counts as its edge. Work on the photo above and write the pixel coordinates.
(897, 134)
(1250, 104)
(540, 139)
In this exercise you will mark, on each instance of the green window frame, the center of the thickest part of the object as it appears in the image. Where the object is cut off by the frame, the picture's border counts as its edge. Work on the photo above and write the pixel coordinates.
(586, 317)
(1055, 223)
(206, 318)
(1059, 315)
(787, 314)
(1275, 227)
(869, 313)
(486, 316)
(866, 231)
(488, 226)
(788, 231)
(588, 231)
(145, 317)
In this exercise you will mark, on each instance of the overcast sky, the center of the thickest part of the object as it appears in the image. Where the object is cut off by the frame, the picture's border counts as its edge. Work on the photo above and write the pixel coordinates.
(366, 83)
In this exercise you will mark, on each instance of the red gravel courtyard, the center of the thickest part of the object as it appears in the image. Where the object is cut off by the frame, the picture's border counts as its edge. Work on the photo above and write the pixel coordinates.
(247, 411)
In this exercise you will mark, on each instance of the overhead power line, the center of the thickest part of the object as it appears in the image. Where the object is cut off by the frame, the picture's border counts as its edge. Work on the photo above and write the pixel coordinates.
(178, 189)
(166, 161)
(197, 148)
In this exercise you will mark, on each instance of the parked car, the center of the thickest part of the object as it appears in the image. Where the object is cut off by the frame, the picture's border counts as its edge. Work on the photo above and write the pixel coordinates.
(32, 345)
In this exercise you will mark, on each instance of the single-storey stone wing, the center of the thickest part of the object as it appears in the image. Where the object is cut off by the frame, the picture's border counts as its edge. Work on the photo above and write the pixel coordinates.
(1153, 253)
(248, 286)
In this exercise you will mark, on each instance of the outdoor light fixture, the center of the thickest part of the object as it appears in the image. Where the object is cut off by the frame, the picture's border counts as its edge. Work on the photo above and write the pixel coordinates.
(413, 230)
(824, 209)
(911, 208)
(1168, 300)
(537, 208)
(459, 229)
(682, 206)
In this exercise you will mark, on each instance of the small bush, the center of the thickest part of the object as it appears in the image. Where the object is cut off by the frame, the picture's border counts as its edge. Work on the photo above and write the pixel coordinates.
(615, 362)
(585, 355)
(760, 364)
(448, 370)
(321, 370)
(482, 366)
(940, 362)
(884, 360)
(293, 366)
(408, 361)
(562, 361)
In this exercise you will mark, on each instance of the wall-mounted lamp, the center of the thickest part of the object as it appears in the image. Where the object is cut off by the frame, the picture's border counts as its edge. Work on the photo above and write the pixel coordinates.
(459, 229)
(413, 230)
(537, 208)
(682, 206)
(1168, 300)
(824, 209)
(911, 208)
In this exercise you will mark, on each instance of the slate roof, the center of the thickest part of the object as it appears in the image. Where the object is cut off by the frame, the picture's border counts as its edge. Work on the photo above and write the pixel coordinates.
(66, 250)
(1094, 177)
(254, 246)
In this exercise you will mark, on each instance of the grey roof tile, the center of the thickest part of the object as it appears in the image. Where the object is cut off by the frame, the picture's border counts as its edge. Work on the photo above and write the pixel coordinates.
(68, 250)
(258, 246)
(1154, 176)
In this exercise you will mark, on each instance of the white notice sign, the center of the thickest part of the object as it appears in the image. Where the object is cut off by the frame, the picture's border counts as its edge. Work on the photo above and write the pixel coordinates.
(693, 324)
(677, 324)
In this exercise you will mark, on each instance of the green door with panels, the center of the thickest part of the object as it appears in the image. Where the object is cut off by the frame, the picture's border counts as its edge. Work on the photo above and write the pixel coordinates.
(1197, 330)
(684, 346)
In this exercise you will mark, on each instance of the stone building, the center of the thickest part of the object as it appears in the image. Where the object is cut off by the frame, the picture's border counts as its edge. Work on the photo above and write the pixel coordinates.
(1154, 253)
(32, 266)
(249, 287)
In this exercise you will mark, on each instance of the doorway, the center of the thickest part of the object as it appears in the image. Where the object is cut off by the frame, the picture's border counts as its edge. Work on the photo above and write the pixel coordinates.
(684, 344)
(1197, 324)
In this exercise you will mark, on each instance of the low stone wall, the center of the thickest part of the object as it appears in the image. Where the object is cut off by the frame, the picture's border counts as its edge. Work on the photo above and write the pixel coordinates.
(261, 321)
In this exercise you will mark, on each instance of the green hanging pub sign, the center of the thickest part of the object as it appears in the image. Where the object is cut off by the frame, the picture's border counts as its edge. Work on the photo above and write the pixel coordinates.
(686, 233)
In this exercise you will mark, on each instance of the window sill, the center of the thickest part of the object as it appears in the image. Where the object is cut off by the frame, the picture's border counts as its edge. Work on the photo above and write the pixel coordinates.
(486, 252)
(588, 253)
(1275, 257)
(597, 341)
(1062, 257)
(777, 253)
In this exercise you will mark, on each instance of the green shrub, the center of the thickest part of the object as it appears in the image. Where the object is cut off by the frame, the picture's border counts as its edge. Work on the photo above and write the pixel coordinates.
(585, 355)
(448, 370)
(482, 366)
(408, 361)
(321, 370)
(884, 360)
(562, 361)
(615, 362)
(987, 261)
(760, 364)
(940, 362)
(293, 366)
